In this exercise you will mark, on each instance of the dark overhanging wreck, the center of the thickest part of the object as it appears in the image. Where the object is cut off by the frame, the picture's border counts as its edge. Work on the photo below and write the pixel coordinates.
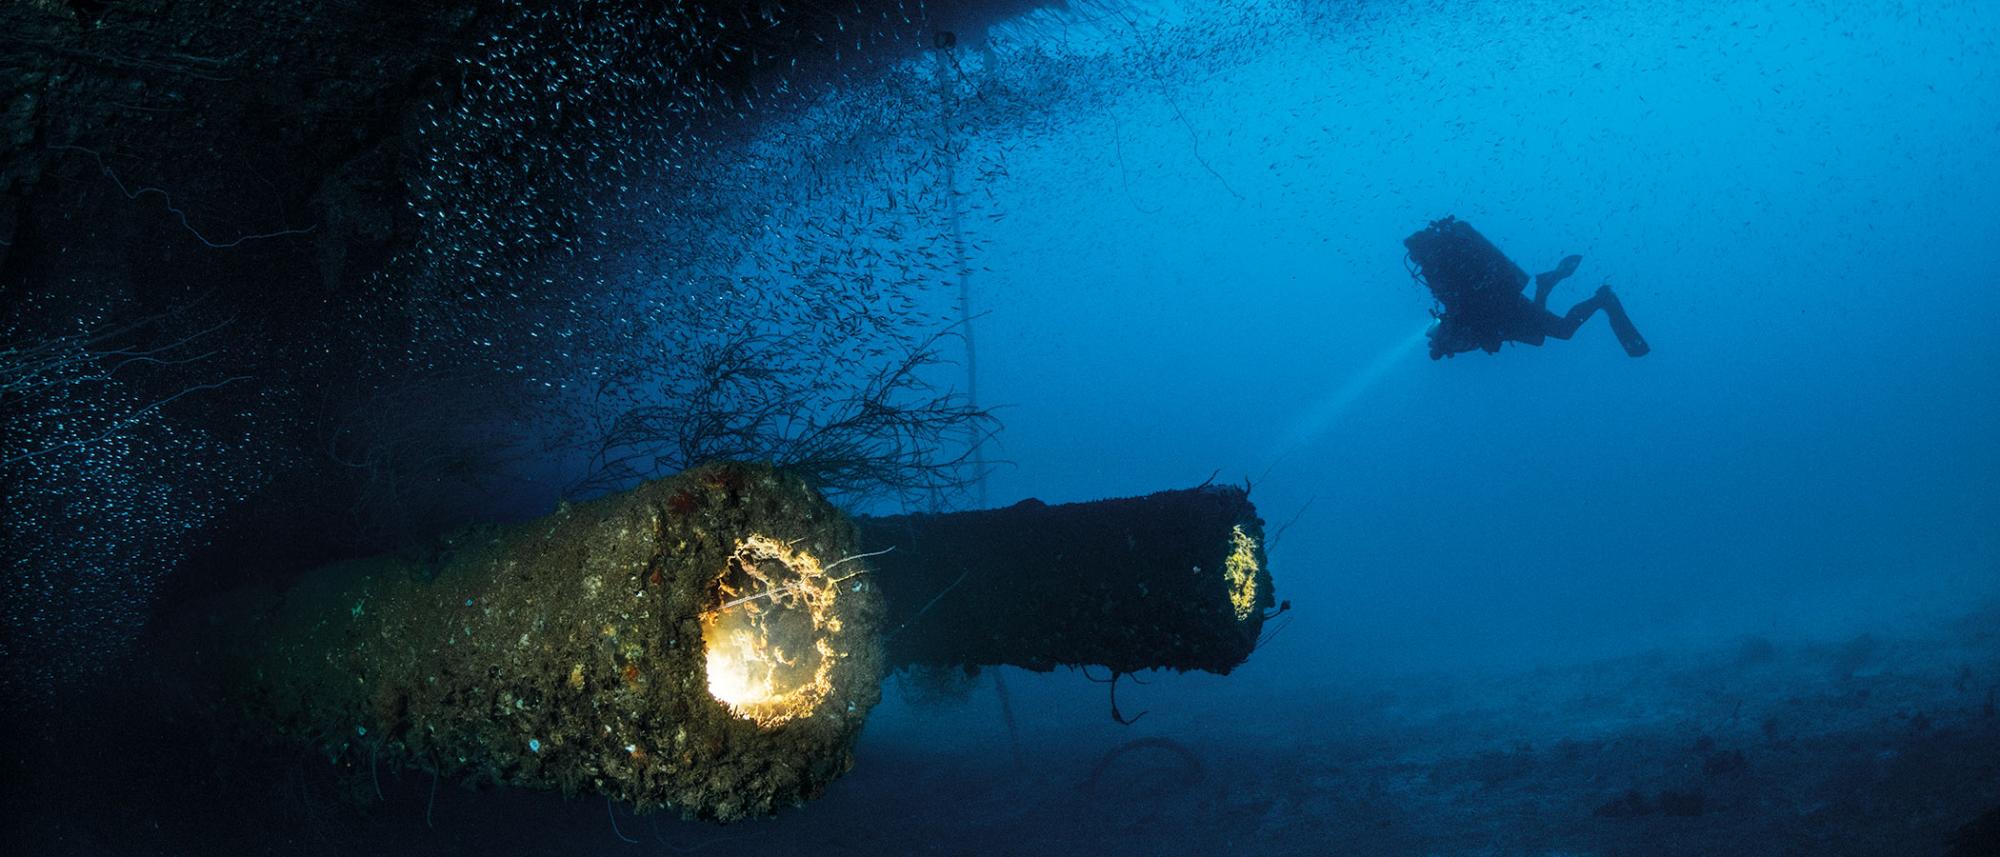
(713, 642)
(710, 643)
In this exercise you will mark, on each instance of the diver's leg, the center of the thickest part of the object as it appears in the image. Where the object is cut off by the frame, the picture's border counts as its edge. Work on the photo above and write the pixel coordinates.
(1546, 281)
(1621, 324)
(1564, 326)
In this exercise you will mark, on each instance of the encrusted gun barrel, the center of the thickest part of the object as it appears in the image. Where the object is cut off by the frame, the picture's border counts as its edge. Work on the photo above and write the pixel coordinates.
(713, 642)
(707, 642)
(1174, 580)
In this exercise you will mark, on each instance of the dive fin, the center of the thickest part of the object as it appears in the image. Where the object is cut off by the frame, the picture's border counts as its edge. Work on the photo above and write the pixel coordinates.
(1564, 268)
(1546, 281)
(1621, 324)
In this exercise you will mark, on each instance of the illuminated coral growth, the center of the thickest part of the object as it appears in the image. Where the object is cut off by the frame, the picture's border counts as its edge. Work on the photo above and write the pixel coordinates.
(770, 639)
(1240, 570)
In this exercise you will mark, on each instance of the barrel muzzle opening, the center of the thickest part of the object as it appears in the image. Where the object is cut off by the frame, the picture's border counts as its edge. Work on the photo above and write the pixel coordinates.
(1239, 571)
(772, 638)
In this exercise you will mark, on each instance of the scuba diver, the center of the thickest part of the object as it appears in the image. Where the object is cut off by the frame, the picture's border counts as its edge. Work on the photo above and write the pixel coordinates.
(1478, 291)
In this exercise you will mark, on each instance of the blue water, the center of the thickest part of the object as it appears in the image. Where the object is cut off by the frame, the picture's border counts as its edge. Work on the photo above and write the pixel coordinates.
(1204, 270)
(1791, 200)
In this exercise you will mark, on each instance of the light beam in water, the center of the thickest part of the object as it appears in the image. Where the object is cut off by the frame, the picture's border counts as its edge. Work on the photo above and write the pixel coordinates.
(1317, 421)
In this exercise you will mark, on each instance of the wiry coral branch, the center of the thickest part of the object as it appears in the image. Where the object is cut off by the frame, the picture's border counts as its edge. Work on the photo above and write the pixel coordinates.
(895, 433)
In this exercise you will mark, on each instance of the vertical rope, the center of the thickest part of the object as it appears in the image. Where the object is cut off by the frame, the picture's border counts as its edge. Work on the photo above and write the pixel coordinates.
(1007, 713)
(948, 72)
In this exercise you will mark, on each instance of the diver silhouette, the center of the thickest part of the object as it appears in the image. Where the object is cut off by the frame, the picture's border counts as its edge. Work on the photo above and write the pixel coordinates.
(1478, 291)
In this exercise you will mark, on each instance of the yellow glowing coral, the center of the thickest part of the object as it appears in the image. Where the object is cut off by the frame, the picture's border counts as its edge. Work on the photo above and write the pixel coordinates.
(1240, 572)
(770, 641)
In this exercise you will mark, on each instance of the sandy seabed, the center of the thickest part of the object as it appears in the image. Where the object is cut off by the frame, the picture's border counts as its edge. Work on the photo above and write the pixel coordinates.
(1881, 744)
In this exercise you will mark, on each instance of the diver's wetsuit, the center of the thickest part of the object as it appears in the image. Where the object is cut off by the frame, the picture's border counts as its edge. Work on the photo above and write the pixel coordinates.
(1478, 290)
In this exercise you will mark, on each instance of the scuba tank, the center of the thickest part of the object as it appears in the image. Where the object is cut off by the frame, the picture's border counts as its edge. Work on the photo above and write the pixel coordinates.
(1459, 265)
